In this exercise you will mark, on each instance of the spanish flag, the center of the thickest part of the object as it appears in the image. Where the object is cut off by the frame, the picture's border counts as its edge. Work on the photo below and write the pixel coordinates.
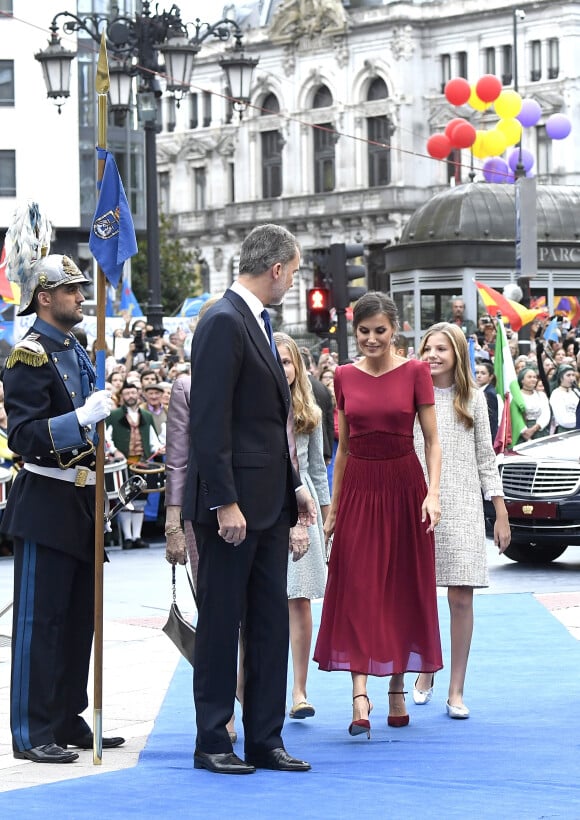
(514, 313)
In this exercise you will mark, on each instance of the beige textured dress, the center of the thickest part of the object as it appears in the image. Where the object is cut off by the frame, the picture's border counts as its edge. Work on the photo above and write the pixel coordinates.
(468, 467)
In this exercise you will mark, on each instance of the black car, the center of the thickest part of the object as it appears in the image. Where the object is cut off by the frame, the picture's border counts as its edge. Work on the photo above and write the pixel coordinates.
(541, 482)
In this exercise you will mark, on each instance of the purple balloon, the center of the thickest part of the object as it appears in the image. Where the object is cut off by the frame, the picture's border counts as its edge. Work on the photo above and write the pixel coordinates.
(495, 169)
(527, 159)
(530, 113)
(558, 126)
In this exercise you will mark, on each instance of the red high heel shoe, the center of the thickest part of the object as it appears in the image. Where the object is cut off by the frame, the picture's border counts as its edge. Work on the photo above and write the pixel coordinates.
(398, 720)
(359, 727)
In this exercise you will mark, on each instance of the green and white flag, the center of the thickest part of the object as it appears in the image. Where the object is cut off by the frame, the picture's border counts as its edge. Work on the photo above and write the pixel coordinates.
(513, 417)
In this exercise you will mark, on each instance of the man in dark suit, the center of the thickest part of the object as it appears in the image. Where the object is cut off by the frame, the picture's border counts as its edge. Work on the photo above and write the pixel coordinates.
(52, 409)
(243, 495)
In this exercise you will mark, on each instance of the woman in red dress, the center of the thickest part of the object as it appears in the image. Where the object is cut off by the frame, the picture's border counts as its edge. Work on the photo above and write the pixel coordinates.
(380, 608)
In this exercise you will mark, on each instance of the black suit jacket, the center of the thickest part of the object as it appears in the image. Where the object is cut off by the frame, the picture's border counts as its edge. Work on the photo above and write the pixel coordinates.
(492, 408)
(238, 410)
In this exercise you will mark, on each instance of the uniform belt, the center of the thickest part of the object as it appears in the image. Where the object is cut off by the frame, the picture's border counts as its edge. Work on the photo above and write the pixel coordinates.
(79, 476)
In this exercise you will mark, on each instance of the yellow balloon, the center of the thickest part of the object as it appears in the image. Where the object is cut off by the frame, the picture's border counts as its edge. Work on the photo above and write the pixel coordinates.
(508, 104)
(475, 102)
(478, 147)
(495, 143)
(512, 129)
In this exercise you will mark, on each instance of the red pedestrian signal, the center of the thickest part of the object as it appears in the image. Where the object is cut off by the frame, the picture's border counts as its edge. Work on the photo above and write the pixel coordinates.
(318, 307)
(319, 299)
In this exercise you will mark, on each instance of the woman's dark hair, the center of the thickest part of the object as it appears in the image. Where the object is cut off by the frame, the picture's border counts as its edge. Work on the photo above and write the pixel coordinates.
(562, 370)
(566, 344)
(488, 366)
(81, 336)
(373, 303)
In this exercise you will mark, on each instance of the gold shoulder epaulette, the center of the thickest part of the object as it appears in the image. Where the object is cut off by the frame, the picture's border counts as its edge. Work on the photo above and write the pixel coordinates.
(29, 352)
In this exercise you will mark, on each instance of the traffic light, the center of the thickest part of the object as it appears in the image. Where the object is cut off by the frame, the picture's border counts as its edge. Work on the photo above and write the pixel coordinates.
(343, 273)
(318, 304)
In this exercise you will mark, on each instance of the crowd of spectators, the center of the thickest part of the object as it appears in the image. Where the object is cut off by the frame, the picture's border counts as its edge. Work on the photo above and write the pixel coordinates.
(547, 373)
(547, 370)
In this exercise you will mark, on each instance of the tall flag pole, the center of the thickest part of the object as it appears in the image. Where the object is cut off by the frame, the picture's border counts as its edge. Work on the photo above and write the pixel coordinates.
(102, 84)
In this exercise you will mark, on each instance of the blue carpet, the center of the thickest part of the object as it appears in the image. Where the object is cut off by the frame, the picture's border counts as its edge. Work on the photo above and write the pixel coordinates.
(516, 757)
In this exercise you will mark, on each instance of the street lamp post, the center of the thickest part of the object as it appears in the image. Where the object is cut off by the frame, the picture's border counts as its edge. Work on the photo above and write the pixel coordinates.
(524, 195)
(518, 16)
(134, 44)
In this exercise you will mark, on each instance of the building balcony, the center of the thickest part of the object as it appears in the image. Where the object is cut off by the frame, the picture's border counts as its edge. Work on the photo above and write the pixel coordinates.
(375, 203)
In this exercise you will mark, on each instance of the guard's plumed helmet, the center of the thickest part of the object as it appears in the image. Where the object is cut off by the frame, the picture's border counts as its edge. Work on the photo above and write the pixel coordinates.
(27, 263)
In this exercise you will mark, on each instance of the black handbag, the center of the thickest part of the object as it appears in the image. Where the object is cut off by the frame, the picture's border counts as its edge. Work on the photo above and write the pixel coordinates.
(177, 629)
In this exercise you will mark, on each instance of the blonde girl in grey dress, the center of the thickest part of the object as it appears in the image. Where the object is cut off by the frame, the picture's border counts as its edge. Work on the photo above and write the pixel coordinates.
(307, 576)
(468, 467)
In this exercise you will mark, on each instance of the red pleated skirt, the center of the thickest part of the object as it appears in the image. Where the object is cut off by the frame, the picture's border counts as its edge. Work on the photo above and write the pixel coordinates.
(379, 615)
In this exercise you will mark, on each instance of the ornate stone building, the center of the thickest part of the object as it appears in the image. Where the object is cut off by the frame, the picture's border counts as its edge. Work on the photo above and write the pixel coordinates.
(333, 144)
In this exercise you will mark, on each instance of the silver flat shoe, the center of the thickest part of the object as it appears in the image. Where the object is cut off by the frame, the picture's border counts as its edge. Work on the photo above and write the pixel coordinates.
(423, 696)
(457, 712)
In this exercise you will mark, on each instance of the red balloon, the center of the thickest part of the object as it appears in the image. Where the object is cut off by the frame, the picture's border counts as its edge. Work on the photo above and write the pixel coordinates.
(464, 135)
(438, 146)
(457, 91)
(488, 88)
(450, 127)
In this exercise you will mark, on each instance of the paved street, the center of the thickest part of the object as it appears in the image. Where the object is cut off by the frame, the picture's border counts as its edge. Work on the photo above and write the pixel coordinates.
(139, 663)
(139, 660)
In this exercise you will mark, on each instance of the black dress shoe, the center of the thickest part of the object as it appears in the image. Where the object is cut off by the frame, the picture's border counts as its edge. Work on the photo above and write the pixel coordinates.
(140, 544)
(127, 544)
(224, 763)
(279, 760)
(86, 742)
(49, 753)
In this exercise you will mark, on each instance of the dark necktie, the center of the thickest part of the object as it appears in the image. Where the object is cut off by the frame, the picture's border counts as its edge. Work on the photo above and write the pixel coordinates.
(290, 422)
(266, 317)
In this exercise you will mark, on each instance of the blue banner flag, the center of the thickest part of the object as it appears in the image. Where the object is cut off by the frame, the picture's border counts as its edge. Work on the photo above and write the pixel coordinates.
(551, 333)
(471, 345)
(112, 240)
(129, 302)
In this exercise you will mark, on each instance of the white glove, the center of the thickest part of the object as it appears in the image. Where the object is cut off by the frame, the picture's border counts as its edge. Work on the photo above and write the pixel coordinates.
(96, 408)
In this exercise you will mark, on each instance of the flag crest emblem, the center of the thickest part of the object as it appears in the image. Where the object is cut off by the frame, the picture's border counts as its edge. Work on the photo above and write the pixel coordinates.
(107, 226)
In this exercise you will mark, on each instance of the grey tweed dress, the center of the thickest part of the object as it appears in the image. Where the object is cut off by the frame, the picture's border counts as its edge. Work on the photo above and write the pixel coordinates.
(468, 467)
(307, 577)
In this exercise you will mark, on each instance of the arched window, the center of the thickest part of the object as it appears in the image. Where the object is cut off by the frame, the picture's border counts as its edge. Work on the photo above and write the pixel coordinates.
(377, 90)
(324, 139)
(324, 142)
(270, 105)
(272, 143)
(379, 133)
(322, 98)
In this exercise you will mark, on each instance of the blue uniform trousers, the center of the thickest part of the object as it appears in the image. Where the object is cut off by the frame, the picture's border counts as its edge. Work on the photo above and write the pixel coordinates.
(51, 644)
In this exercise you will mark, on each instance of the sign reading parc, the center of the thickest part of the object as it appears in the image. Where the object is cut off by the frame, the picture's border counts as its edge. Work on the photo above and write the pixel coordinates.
(560, 256)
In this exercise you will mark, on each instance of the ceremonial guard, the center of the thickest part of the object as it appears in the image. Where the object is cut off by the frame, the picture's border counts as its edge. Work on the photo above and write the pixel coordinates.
(52, 409)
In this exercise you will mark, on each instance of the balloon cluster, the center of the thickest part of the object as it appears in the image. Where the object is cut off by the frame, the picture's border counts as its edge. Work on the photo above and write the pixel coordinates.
(514, 114)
